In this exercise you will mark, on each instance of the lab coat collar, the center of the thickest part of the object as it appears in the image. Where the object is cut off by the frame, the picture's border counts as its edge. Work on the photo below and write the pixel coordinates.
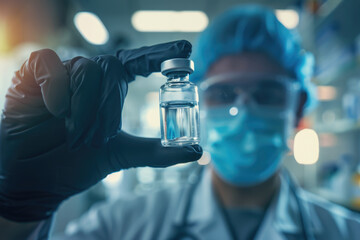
(204, 205)
(288, 217)
(203, 201)
(282, 216)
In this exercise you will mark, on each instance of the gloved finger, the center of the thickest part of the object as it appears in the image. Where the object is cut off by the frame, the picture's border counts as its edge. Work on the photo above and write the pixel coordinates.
(46, 68)
(86, 82)
(113, 92)
(145, 60)
(128, 151)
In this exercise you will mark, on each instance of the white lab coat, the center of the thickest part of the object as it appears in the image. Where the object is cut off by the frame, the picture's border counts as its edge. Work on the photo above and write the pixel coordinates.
(153, 217)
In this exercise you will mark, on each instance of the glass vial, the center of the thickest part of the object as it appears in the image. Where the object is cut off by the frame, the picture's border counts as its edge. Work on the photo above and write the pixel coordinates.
(179, 104)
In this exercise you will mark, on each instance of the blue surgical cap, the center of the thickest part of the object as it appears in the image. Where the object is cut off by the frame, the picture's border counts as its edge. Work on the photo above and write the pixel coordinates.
(254, 28)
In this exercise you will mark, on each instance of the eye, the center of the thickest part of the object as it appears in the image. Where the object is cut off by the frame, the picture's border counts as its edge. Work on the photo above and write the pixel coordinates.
(217, 95)
(269, 94)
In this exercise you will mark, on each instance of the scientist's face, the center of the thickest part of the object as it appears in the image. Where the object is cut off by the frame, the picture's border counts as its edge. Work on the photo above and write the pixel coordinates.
(251, 105)
(253, 66)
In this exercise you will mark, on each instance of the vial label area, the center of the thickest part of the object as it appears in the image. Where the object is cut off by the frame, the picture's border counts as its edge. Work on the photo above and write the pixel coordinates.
(179, 123)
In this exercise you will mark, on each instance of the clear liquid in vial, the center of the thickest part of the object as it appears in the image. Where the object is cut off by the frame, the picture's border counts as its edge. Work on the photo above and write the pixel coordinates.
(179, 123)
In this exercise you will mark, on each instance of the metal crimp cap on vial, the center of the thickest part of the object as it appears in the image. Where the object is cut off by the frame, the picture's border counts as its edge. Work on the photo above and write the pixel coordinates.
(177, 65)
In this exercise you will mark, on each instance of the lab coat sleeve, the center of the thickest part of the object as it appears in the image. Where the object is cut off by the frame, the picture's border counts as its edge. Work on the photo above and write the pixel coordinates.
(353, 227)
(336, 221)
(94, 224)
(129, 217)
(120, 219)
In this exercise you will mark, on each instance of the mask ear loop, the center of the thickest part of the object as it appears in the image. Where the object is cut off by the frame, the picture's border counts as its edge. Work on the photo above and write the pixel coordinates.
(292, 92)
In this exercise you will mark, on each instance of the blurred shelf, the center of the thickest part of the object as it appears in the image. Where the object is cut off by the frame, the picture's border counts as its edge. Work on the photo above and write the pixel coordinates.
(339, 126)
(348, 70)
(326, 12)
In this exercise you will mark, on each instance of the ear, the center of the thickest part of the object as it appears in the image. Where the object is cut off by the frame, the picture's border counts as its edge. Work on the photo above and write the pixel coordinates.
(300, 108)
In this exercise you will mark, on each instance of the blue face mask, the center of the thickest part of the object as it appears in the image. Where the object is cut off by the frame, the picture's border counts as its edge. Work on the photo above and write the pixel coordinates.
(245, 149)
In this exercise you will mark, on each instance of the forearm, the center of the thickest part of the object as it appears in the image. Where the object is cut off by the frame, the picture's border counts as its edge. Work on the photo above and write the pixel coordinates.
(16, 230)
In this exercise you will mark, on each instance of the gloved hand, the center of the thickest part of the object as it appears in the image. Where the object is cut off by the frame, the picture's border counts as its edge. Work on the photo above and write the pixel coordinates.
(60, 128)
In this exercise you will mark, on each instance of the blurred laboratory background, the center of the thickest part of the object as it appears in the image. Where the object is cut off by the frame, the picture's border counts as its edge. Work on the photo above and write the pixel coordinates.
(328, 28)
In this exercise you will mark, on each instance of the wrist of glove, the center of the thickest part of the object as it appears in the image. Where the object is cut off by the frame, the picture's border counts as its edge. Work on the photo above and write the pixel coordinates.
(60, 128)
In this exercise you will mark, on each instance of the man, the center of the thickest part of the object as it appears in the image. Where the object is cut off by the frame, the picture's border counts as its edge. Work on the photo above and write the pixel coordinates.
(254, 81)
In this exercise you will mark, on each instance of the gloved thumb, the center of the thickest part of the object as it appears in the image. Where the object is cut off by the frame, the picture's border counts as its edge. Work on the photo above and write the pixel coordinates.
(128, 151)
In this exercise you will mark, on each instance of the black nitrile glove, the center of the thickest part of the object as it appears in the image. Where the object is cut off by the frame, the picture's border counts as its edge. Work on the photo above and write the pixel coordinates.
(60, 128)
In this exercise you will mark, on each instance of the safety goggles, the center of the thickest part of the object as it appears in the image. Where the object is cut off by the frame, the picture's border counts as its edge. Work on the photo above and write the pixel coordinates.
(255, 92)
